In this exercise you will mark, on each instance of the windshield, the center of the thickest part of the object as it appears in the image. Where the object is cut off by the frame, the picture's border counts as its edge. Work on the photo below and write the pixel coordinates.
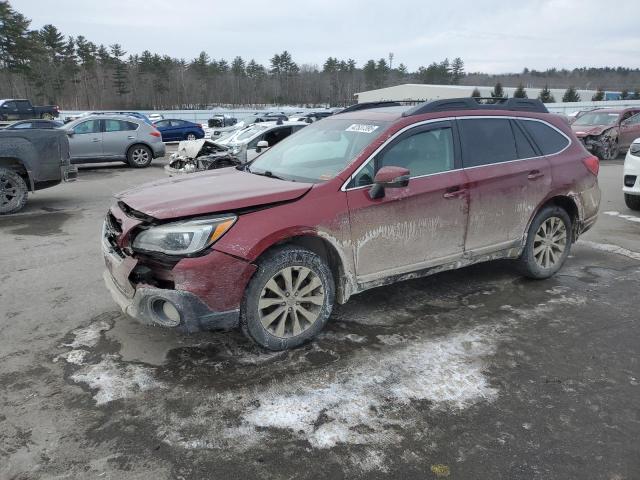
(317, 153)
(595, 118)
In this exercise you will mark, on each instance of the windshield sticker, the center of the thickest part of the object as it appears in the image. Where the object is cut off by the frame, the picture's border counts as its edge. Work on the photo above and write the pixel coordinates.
(357, 127)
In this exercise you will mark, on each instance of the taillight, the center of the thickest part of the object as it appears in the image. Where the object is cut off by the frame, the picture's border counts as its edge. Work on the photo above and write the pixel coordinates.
(593, 164)
(155, 133)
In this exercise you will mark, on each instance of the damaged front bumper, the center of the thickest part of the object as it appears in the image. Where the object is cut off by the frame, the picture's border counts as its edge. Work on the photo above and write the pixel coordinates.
(177, 309)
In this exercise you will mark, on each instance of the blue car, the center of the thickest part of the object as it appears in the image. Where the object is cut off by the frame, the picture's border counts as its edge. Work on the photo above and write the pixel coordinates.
(173, 130)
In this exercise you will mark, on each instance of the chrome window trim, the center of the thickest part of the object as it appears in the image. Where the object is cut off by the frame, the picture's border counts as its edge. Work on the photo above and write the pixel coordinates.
(444, 119)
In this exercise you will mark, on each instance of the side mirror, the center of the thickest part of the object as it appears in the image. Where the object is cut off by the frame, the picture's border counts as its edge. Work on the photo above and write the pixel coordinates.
(70, 133)
(389, 177)
(261, 144)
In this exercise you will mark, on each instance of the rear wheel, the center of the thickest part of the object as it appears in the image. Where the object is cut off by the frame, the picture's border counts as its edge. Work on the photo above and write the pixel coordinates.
(632, 201)
(548, 243)
(139, 156)
(47, 116)
(13, 191)
(289, 299)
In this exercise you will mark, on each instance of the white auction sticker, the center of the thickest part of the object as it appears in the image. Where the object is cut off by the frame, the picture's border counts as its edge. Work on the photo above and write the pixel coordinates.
(357, 127)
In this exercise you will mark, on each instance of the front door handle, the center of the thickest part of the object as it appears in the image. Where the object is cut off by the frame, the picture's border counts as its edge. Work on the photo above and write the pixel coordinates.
(454, 192)
(95, 140)
(130, 137)
(535, 174)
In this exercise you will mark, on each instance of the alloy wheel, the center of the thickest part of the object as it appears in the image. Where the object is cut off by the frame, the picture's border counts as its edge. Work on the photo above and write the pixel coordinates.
(291, 301)
(550, 242)
(8, 190)
(191, 136)
(140, 156)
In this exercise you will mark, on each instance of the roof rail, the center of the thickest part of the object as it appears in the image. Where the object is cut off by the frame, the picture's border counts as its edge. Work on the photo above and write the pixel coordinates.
(367, 105)
(476, 103)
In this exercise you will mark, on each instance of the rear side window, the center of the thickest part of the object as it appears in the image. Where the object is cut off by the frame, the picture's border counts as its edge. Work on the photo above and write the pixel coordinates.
(525, 150)
(486, 141)
(548, 139)
(118, 126)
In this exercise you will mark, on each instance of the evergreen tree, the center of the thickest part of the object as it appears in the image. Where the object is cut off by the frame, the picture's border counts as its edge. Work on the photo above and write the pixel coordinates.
(498, 91)
(457, 70)
(120, 77)
(476, 93)
(520, 92)
(597, 97)
(546, 95)
(570, 95)
(636, 94)
(624, 95)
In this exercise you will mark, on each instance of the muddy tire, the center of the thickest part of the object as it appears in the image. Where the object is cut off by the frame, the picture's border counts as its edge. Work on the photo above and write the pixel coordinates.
(139, 156)
(632, 201)
(289, 299)
(13, 192)
(548, 243)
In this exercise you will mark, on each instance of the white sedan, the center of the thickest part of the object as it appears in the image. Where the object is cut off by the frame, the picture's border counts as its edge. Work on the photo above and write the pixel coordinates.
(631, 185)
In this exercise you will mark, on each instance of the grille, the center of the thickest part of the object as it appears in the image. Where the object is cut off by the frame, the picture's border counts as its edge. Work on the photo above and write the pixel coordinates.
(629, 180)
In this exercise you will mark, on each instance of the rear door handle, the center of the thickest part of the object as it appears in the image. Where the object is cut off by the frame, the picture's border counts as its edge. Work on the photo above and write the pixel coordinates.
(95, 140)
(454, 192)
(130, 137)
(535, 174)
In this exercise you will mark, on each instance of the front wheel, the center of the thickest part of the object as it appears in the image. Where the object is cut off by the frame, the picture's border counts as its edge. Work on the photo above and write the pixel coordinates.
(13, 191)
(548, 243)
(139, 156)
(632, 201)
(289, 299)
(191, 136)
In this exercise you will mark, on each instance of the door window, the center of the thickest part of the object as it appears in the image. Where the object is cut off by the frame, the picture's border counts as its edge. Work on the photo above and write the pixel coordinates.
(523, 146)
(548, 139)
(274, 136)
(24, 125)
(23, 105)
(118, 126)
(11, 105)
(90, 126)
(162, 124)
(635, 120)
(486, 141)
(177, 123)
(423, 153)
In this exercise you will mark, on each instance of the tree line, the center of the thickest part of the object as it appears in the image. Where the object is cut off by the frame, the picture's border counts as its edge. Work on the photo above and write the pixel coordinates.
(78, 74)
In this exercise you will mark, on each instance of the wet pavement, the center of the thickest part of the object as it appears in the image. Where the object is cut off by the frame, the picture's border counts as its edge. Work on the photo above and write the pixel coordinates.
(476, 373)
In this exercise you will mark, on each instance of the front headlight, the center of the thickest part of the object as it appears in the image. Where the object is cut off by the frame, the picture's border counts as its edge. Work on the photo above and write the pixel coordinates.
(183, 238)
(635, 149)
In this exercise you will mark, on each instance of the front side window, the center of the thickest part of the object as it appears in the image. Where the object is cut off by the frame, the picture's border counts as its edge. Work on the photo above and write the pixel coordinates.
(486, 141)
(635, 120)
(317, 153)
(597, 118)
(162, 124)
(24, 125)
(90, 126)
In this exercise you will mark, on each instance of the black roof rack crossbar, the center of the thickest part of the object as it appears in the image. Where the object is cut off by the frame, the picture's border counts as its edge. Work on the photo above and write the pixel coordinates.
(367, 105)
(478, 103)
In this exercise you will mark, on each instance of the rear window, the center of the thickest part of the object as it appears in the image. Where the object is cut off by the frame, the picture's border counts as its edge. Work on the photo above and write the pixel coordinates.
(486, 141)
(548, 139)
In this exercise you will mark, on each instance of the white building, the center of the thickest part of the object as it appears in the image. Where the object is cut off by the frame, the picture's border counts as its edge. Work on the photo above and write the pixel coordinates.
(421, 92)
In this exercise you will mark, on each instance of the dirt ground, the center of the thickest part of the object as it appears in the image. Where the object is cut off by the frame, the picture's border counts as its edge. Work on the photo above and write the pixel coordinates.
(472, 374)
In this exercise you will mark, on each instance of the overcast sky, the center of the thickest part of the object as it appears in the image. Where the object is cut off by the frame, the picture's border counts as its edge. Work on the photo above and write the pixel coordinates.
(491, 36)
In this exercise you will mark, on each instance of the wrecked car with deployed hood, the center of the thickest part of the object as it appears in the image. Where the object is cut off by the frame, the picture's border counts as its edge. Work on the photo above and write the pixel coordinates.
(356, 201)
(199, 155)
(608, 131)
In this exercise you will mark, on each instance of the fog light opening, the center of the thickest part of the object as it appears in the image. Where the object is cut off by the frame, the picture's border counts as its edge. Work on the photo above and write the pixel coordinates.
(165, 313)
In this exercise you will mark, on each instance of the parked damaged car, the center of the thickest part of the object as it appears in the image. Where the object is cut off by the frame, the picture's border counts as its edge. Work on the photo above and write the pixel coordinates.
(606, 132)
(31, 160)
(353, 202)
(199, 155)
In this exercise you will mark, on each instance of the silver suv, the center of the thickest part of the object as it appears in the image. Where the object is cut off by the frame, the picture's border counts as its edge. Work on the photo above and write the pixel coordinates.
(112, 138)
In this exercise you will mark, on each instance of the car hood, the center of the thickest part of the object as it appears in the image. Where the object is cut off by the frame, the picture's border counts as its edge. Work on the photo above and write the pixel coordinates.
(223, 190)
(583, 130)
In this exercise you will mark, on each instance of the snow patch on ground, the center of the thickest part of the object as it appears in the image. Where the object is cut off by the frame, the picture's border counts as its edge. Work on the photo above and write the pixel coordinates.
(89, 336)
(76, 356)
(348, 408)
(112, 380)
(393, 339)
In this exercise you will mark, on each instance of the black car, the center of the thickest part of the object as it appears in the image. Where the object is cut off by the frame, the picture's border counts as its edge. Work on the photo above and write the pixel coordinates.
(46, 124)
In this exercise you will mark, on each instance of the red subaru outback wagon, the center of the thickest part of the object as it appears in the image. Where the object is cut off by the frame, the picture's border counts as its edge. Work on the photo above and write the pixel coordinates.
(355, 201)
